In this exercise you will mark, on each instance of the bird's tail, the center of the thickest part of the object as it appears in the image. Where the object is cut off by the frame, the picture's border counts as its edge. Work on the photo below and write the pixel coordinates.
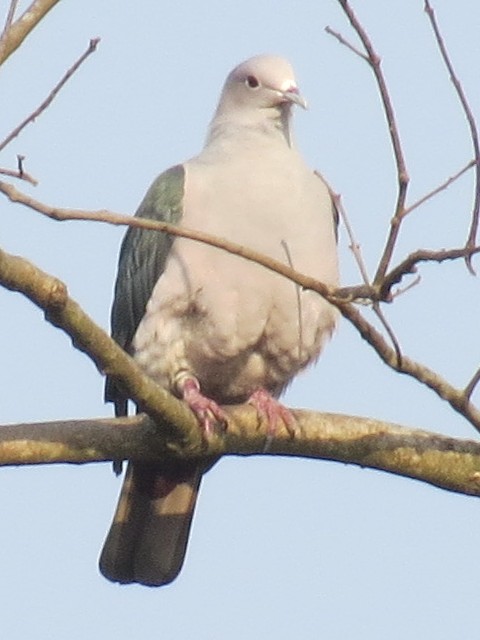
(148, 538)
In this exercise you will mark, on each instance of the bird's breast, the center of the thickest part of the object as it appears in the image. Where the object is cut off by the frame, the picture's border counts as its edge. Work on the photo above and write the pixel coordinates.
(233, 324)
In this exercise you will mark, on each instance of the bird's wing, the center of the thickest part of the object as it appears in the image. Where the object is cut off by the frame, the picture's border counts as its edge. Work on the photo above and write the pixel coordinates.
(142, 259)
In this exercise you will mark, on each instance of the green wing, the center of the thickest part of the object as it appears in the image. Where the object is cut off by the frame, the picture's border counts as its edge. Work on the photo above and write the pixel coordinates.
(142, 259)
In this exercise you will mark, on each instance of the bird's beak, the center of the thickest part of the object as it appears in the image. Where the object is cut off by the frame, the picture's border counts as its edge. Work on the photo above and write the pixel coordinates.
(294, 96)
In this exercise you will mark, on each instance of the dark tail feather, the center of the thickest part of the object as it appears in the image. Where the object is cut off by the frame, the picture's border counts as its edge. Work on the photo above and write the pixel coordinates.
(148, 538)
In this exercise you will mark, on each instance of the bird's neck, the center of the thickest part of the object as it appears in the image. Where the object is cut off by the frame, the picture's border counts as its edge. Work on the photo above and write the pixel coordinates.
(267, 126)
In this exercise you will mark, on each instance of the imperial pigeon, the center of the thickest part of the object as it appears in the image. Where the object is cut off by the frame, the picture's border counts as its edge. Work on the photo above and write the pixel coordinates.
(212, 327)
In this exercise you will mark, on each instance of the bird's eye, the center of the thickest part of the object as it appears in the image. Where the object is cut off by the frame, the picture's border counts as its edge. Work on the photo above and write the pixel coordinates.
(252, 82)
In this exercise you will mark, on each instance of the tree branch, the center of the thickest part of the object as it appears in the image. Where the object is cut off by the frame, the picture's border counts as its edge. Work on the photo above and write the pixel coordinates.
(374, 61)
(471, 240)
(441, 187)
(469, 389)
(354, 246)
(339, 298)
(9, 19)
(444, 462)
(16, 33)
(457, 398)
(51, 295)
(19, 174)
(346, 43)
(109, 217)
(48, 100)
(409, 264)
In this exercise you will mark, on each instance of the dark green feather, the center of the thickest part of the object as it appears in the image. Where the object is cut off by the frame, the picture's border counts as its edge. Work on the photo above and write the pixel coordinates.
(142, 259)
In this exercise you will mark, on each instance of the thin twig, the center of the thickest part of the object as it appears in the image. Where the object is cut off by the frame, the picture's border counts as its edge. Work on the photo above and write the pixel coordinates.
(469, 389)
(409, 264)
(354, 245)
(472, 235)
(355, 248)
(401, 290)
(298, 293)
(109, 217)
(335, 296)
(455, 397)
(21, 175)
(342, 215)
(9, 18)
(374, 61)
(33, 116)
(393, 338)
(20, 159)
(440, 188)
(346, 43)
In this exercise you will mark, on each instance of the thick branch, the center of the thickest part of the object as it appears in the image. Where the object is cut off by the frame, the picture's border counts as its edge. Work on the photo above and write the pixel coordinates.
(448, 463)
(51, 295)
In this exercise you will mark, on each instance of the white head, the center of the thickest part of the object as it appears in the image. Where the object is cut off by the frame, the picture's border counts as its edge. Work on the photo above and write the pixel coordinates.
(259, 90)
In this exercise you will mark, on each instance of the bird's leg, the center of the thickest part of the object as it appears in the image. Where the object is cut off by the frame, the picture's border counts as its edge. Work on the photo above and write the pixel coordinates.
(208, 412)
(272, 411)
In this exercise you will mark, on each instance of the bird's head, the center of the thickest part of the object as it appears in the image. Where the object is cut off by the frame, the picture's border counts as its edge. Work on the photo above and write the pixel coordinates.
(261, 83)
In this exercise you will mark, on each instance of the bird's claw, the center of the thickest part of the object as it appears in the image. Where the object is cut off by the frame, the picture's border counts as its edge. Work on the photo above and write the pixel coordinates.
(210, 415)
(272, 411)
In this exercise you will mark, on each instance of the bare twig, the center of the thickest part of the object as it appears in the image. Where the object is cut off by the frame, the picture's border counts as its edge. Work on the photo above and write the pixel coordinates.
(472, 236)
(469, 389)
(346, 43)
(409, 265)
(440, 188)
(34, 115)
(455, 397)
(342, 215)
(108, 217)
(9, 18)
(372, 58)
(20, 174)
(374, 61)
(401, 290)
(19, 30)
(298, 294)
(393, 338)
(354, 245)
(355, 248)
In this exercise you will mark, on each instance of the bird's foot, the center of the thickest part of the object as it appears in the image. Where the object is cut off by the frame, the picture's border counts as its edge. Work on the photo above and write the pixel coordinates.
(273, 412)
(208, 412)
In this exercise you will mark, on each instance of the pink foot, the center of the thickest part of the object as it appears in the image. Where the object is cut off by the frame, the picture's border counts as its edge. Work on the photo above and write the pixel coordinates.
(273, 412)
(208, 412)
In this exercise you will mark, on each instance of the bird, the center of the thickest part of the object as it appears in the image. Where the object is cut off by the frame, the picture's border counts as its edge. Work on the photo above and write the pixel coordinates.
(211, 327)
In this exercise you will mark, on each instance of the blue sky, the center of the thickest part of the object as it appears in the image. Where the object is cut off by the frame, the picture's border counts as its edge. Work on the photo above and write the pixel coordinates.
(280, 548)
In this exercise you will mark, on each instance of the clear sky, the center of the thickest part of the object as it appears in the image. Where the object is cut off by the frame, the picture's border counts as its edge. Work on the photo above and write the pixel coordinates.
(280, 548)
